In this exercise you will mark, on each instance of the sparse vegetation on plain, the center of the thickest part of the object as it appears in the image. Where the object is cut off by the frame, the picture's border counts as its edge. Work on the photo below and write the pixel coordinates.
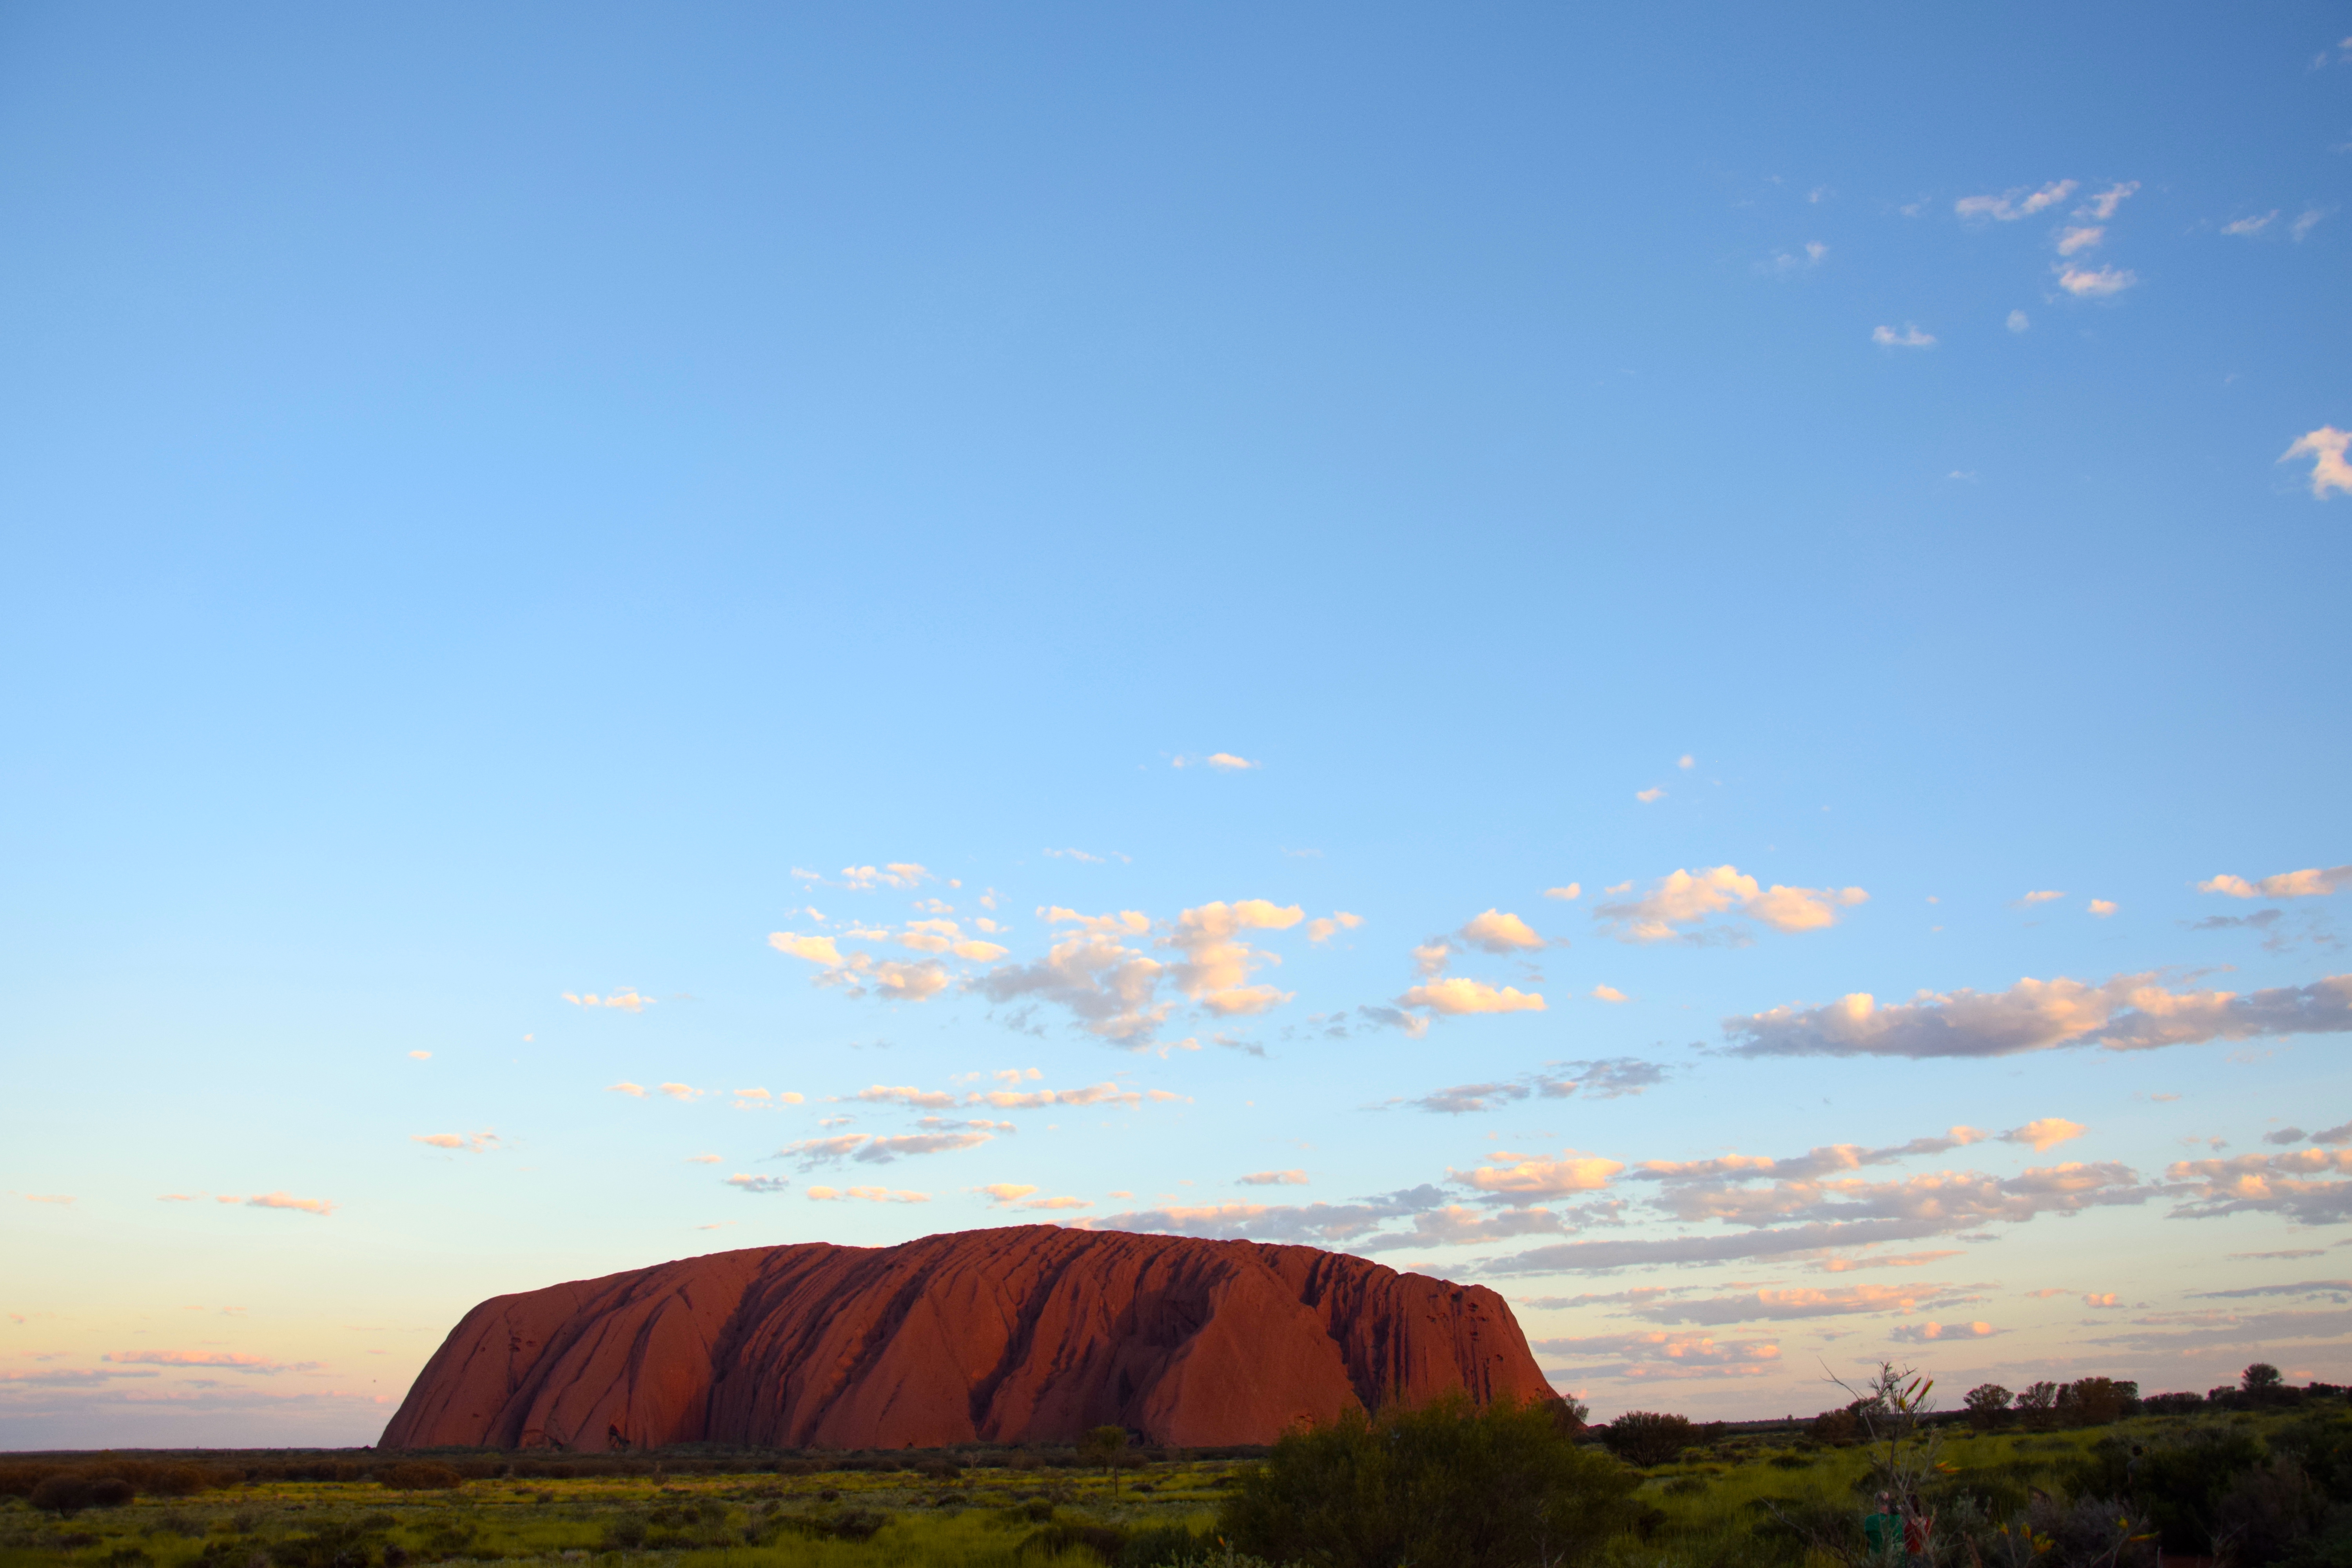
(2262, 1476)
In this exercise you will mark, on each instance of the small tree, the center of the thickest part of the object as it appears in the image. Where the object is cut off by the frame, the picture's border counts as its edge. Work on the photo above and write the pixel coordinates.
(1645, 1437)
(2038, 1404)
(1987, 1406)
(2261, 1378)
(1103, 1446)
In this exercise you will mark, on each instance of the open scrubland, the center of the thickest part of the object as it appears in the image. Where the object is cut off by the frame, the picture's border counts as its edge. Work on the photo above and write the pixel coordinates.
(2271, 1483)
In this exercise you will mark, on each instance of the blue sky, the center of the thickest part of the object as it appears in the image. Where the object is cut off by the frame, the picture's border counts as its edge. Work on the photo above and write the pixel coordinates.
(584, 502)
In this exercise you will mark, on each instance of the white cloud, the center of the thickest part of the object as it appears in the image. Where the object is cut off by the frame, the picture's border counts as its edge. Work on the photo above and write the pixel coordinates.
(702, 1158)
(2103, 908)
(1323, 929)
(2082, 238)
(1005, 1192)
(1607, 994)
(2019, 321)
(2095, 283)
(866, 1194)
(1225, 762)
(2103, 205)
(2251, 225)
(1274, 1179)
(1215, 966)
(2312, 883)
(2043, 896)
(2044, 1134)
(748, 1183)
(426, 1056)
(2304, 224)
(897, 874)
(1107, 987)
(1652, 795)
(1572, 891)
(1683, 899)
(2126, 1013)
(1458, 996)
(472, 1142)
(633, 1090)
(1495, 932)
(2017, 203)
(814, 949)
(625, 1000)
(1538, 1176)
(1911, 337)
(1686, 762)
(2325, 447)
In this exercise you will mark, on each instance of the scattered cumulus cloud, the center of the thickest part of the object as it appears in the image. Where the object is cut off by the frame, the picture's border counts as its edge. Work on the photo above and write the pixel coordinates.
(1684, 900)
(2103, 908)
(633, 1090)
(1459, 996)
(2079, 239)
(2095, 283)
(2044, 1134)
(625, 1000)
(1274, 1179)
(1225, 762)
(749, 1183)
(1571, 890)
(2251, 225)
(1538, 1175)
(865, 1195)
(1607, 994)
(874, 1149)
(1323, 928)
(1495, 932)
(2019, 321)
(2303, 224)
(2312, 883)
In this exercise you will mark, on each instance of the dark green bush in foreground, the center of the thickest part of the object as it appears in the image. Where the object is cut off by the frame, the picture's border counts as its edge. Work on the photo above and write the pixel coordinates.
(1496, 1487)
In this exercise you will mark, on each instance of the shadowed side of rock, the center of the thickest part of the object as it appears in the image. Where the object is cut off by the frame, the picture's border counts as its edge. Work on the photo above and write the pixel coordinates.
(1031, 1333)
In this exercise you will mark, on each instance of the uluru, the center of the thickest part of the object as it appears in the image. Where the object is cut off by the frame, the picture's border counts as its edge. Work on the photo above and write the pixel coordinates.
(1027, 1333)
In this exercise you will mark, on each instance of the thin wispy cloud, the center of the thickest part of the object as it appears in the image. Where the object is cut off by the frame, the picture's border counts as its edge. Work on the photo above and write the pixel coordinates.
(2011, 206)
(2126, 1013)
(2325, 447)
(2095, 283)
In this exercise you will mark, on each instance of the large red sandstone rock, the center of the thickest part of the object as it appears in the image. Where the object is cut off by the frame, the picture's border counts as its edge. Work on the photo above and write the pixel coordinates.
(1032, 1333)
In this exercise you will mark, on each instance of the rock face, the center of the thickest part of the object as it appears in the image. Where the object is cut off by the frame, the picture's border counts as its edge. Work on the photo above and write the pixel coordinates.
(1032, 1333)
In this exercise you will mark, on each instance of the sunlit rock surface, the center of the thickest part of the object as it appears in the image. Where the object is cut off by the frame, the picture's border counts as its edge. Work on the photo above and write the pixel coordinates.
(1032, 1333)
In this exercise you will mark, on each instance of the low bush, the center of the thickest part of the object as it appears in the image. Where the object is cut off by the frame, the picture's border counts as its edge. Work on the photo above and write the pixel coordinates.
(418, 1476)
(1443, 1483)
(66, 1493)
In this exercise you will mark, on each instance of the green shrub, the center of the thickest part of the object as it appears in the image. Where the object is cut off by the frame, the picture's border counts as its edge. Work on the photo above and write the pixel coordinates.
(1443, 1483)
(1159, 1546)
(65, 1493)
(2179, 1482)
(1104, 1541)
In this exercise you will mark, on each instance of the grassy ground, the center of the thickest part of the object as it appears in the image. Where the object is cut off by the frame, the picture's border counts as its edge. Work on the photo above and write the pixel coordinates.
(1710, 1512)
